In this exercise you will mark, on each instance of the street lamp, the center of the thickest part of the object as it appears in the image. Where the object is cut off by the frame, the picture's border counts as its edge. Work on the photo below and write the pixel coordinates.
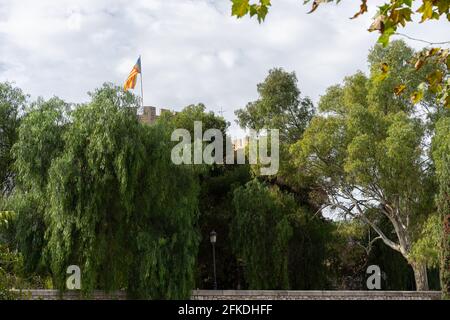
(212, 239)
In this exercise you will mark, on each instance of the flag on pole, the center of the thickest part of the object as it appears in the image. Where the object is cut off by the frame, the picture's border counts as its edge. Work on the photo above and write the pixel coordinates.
(131, 80)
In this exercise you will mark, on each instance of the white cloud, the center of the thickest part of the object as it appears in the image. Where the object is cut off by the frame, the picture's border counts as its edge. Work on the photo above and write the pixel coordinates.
(74, 20)
(228, 58)
(192, 50)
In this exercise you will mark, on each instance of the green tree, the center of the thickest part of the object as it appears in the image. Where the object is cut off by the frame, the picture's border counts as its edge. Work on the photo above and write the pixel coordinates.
(350, 252)
(441, 155)
(12, 102)
(217, 183)
(216, 213)
(39, 142)
(279, 106)
(9, 268)
(195, 112)
(91, 186)
(186, 118)
(367, 155)
(281, 243)
(310, 249)
(118, 207)
(13, 274)
(165, 223)
(260, 233)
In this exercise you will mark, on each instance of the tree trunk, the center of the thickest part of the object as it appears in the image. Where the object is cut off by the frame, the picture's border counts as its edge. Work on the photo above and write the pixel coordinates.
(420, 275)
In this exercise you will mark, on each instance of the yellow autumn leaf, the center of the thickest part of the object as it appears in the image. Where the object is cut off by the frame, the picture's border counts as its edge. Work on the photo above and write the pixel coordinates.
(426, 9)
(398, 90)
(435, 78)
(417, 96)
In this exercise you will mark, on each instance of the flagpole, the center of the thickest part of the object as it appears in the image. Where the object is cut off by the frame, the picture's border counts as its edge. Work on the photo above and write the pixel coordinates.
(142, 88)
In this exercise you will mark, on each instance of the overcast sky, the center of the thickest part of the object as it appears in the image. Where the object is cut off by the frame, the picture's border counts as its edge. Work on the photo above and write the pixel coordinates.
(192, 50)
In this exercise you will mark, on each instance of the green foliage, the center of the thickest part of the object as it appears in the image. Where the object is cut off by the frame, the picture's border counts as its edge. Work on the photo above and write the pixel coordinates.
(112, 208)
(14, 278)
(282, 245)
(412, 82)
(398, 13)
(217, 184)
(13, 274)
(5, 218)
(7, 226)
(390, 15)
(425, 249)
(9, 267)
(95, 188)
(259, 9)
(12, 102)
(437, 81)
(165, 223)
(39, 143)
(349, 254)
(29, 229)
(399, 71)
(185, 119)
(261, 232)
(441, 156)
(279, 107)
(355, 248)
(216, 213)
(310, 248)
(369, 152)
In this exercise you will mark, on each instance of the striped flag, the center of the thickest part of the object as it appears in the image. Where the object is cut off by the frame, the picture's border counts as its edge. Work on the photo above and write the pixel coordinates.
(131, 80)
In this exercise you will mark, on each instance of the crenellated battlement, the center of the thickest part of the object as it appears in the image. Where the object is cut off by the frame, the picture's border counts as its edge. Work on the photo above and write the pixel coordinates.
(149, 115)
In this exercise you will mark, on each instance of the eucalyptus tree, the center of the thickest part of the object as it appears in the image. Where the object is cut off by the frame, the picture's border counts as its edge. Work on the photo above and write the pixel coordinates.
(279, 106)
(366, 152)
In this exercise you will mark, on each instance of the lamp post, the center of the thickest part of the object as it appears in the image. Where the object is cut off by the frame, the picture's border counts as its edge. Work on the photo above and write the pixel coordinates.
(212, 239)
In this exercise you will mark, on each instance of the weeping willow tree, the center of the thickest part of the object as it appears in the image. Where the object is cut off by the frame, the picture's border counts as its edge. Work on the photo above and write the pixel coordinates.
(441, 154)
(260, 234)
(12, 103)
(39, 143)
(282, 244)
(118, 208)
(164, 223)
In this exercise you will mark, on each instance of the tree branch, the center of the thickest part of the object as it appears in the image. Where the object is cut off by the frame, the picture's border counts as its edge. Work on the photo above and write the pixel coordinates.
(421, 40)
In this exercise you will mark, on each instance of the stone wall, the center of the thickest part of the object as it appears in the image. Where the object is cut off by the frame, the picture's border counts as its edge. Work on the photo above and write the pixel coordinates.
(314, 295)
(248, 295)
(68, 295)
